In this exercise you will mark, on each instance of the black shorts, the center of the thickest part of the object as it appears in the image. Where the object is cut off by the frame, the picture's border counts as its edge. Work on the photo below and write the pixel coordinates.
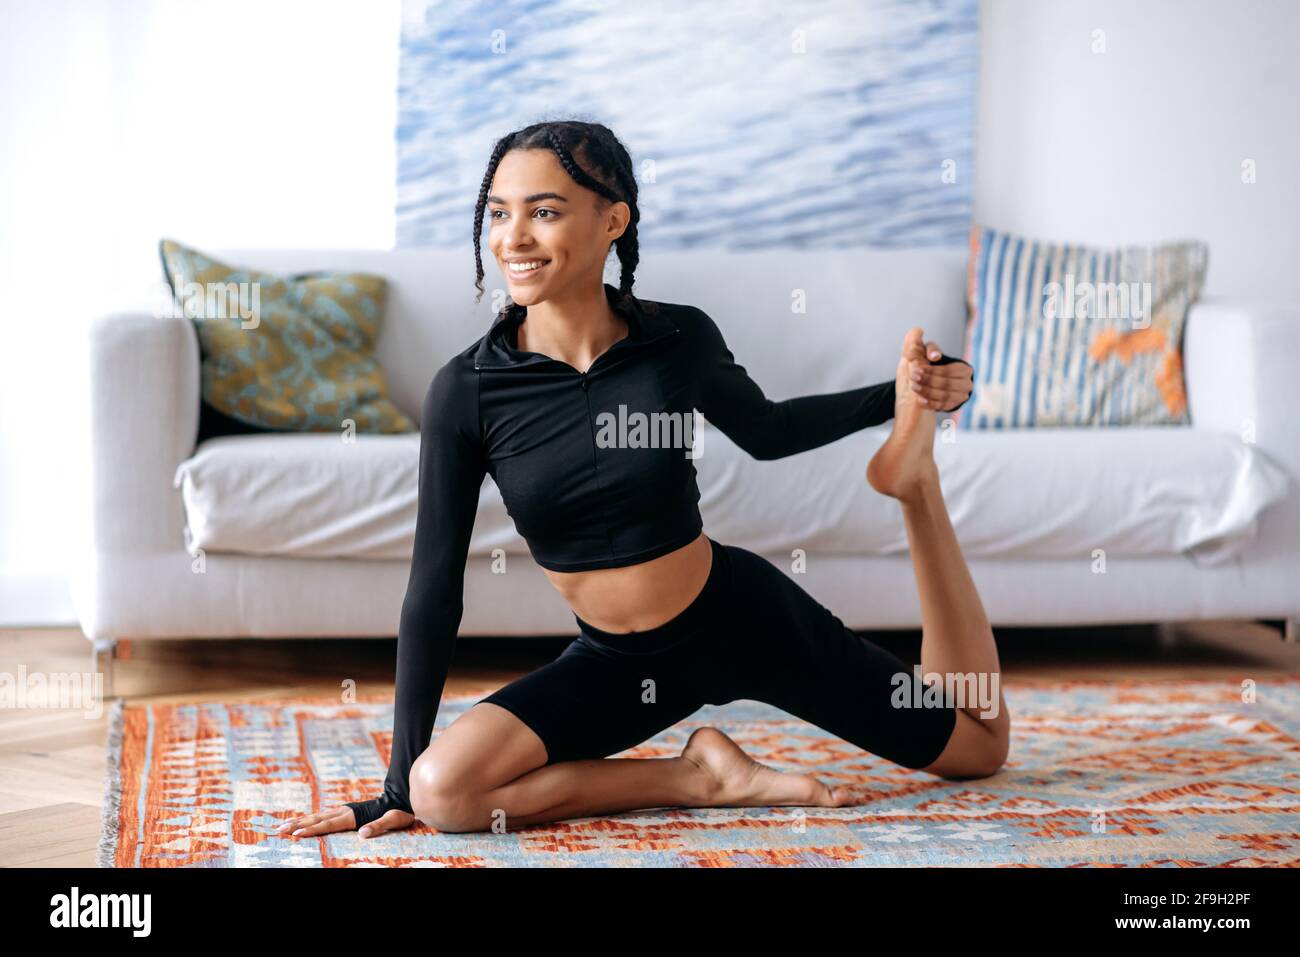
(752, 633)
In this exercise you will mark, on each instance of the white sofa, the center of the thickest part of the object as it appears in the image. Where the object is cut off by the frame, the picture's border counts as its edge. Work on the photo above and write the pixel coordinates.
(306, 535)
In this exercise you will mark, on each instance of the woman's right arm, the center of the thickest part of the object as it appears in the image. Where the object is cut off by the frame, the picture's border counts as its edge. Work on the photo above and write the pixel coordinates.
(452, 467)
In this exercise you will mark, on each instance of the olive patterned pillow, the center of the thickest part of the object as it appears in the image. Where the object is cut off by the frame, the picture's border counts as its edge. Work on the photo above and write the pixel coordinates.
(291, 353)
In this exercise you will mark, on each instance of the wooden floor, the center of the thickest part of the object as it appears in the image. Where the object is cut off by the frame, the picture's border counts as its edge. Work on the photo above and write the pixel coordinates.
(52, 761)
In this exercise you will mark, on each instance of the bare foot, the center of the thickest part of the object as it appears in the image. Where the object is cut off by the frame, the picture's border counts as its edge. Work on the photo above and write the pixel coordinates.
(907, 457)
(737, 780)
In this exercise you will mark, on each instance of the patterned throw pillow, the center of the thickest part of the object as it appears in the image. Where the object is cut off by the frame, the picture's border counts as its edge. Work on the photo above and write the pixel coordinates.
(286, 353)
(1064, 335)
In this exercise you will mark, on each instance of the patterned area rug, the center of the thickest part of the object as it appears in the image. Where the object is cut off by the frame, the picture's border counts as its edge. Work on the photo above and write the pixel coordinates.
(1132, 774)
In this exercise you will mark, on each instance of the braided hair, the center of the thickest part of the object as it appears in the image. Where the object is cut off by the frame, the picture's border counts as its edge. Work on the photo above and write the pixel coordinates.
(610, 177)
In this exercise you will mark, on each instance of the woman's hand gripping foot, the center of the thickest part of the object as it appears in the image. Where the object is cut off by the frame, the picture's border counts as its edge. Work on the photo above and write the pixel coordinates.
(906, 460)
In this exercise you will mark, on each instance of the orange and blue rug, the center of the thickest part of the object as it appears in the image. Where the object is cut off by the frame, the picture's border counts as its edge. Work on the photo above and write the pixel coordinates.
(1186, 773)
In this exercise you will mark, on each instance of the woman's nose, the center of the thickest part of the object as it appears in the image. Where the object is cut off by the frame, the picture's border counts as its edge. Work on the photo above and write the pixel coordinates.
(517, 236)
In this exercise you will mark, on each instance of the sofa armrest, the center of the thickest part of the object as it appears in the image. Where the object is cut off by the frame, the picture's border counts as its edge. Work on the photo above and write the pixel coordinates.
(1240, 363)
(144, 420)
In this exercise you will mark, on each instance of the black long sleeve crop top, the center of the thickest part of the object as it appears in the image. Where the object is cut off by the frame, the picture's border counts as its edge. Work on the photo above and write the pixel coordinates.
(588, 482)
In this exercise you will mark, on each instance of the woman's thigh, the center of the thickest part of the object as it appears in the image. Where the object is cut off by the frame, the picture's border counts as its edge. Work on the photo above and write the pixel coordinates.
(481, 750)
(591, 703)
(797, 655)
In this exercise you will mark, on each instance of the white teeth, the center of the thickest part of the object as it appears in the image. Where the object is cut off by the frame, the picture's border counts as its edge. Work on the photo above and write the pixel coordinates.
(525, 267)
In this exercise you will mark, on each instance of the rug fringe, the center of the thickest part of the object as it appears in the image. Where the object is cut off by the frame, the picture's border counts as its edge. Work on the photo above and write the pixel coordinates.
(106, 852)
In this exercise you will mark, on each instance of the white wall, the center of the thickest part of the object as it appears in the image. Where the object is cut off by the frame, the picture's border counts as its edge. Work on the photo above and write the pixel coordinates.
(1145, 141)
(271, 122)
(217, 122)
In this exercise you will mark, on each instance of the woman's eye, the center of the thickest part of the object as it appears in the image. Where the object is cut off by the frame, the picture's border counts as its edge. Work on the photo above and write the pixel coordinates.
(492, 214)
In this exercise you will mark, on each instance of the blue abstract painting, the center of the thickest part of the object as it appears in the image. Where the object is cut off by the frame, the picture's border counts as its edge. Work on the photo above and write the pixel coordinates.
(759, 124)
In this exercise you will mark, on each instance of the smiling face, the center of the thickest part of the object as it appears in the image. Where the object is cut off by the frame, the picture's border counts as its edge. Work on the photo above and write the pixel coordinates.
(537, 213)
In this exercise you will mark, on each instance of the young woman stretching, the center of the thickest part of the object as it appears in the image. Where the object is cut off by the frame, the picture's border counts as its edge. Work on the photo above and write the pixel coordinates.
(669, 619)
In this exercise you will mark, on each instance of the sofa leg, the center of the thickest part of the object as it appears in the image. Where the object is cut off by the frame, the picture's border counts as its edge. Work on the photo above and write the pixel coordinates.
(1291, 630)
(103, 652)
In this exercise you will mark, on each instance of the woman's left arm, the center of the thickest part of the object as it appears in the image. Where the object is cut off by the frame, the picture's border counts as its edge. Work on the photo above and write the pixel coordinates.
(735, 403)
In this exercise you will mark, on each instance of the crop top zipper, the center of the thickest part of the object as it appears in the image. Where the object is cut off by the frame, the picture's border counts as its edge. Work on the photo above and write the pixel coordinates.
(529, 359)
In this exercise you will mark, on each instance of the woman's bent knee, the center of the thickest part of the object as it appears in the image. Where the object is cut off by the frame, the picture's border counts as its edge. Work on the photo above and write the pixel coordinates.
(963, 767)
(442, 802)
(482, 750)
(973, 751)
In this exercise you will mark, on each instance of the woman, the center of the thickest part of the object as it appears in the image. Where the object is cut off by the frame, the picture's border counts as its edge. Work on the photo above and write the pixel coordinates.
(669, 619)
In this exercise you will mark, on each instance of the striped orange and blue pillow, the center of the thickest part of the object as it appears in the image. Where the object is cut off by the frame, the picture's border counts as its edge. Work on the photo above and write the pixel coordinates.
(1069, 335)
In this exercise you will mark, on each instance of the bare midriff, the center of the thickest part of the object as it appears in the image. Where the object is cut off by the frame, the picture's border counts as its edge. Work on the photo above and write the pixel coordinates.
(637, 597)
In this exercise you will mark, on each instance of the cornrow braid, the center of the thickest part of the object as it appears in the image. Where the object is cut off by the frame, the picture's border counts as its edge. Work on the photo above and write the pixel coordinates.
(499, 150)
(611, 177)
(612, 155)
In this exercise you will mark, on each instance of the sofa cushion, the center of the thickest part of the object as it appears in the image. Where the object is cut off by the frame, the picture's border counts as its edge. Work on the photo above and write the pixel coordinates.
(1064, 335)
(286, 353)
(1045, 493)
(1034, 493)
